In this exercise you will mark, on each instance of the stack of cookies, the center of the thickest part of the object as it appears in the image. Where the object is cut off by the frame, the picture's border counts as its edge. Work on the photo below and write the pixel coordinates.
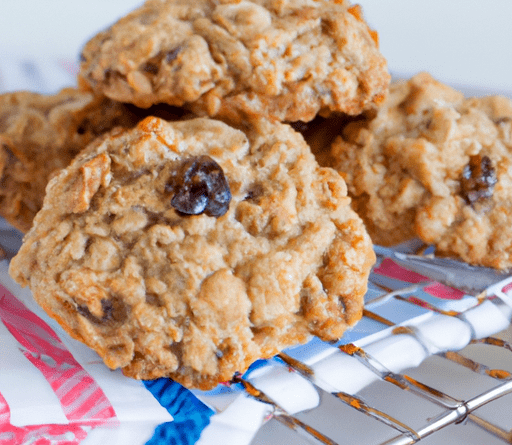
(204, 197)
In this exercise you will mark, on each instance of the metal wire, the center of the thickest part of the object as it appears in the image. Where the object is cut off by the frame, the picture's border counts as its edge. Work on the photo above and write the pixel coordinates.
(453, 410)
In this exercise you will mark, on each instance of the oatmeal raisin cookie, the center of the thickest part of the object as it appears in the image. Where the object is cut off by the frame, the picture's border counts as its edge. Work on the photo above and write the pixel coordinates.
(283, 59)
(434, 165)
(41, 134)
(190, 249)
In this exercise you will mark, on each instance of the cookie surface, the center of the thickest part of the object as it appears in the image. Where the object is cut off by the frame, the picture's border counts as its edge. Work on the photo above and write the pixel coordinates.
(282, 59)
(190, 249)
(434, 165)
(40, 134)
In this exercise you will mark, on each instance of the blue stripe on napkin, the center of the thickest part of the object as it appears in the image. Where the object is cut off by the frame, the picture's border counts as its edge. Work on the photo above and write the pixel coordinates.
(191, 416)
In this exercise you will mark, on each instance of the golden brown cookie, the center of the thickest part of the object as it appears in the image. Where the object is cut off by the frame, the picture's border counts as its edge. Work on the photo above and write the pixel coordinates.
(190, 249)
(283, 59)
(434, 165)
(40, 134)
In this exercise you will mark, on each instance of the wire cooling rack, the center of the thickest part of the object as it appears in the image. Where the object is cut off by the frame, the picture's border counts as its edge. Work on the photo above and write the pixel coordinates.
(453, 396)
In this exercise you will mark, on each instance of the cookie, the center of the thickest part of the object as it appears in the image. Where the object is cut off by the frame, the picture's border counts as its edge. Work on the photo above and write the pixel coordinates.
(190, 249)
(435, 165)
(285, 60)
(41, 134)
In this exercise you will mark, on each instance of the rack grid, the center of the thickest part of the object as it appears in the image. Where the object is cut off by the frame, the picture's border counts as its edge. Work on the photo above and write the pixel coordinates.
(458, 395)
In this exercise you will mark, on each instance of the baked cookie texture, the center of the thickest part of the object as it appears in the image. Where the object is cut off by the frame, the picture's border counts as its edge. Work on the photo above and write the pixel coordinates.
(190, 249)
(41, 134)
(282, 59)
(435, 165)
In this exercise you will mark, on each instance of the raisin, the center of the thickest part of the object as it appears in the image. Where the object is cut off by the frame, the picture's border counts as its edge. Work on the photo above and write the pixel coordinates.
(201, 187)
(152, 65)
(478, 180)
(106, 307)
(150, 68)
(502, 120)
(114, 312)
(172, 54)
(11, 157)
(254, 193)
(108, 74)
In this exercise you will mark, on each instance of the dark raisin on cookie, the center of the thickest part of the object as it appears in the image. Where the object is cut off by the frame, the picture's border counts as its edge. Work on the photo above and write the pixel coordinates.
(254, 192)
(152, 66)
(478, 179)
(9, 155)
(502, 120)
(113, 312)
(201, 187)
(172, 55)
(106, 307)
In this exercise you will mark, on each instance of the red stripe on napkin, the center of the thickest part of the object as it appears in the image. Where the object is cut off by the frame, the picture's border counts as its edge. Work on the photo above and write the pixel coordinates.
(445, 292)
(71, 434)
(390, 269)
(81, 398)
